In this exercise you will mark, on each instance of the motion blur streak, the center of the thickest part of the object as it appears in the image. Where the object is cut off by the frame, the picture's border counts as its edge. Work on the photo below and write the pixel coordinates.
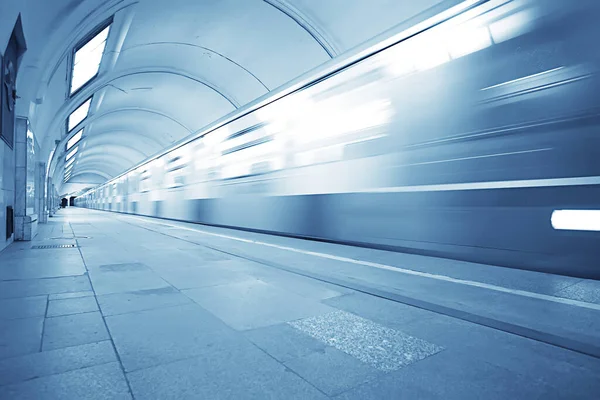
(461, 141)
(581, 220)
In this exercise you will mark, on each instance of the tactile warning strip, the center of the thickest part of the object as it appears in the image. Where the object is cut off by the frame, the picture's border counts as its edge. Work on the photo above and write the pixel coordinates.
(55, 246)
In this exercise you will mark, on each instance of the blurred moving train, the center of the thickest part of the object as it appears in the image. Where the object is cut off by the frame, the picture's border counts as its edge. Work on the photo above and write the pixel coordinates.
(463, 137)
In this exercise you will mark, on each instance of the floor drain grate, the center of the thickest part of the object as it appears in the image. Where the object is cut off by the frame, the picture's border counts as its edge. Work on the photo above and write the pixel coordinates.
(55, 246)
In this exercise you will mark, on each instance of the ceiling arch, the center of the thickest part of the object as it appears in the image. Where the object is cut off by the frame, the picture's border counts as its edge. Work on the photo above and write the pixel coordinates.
(146, 144)
(171, 68)
(230, 98)
(125, 151)
(102, 176)
(207, 51)
(99, 167)
(308, 25)
(110, 164)
(158, 116)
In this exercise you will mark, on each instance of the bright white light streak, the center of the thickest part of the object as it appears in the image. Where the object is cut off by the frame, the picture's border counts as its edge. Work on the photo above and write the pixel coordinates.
(400, 60)
(468, 39)
(429, 51)
(576, 220)
(159, 163)
(79, 114)
(72, 153)
(76, 138)
(512, 26)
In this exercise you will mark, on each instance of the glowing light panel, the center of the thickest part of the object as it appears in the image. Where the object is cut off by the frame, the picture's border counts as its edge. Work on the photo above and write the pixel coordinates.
(576, 220)
(79, 114)
(76, 138)
(72, 153)
(87, 60)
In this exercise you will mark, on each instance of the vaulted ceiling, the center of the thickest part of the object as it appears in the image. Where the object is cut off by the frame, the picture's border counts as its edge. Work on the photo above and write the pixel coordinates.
(172, 67)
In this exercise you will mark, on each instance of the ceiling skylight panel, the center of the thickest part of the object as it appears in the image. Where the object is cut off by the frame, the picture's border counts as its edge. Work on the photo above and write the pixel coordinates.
(79, 114)
(76, 138)
(72, 153)
(86, 62)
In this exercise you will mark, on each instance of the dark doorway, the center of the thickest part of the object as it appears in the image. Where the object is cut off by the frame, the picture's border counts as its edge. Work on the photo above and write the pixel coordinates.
(64, 202)
(72, 201)
(10, 223)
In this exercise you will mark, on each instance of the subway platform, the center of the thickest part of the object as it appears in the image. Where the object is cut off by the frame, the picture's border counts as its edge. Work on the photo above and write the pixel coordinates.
(110, 306)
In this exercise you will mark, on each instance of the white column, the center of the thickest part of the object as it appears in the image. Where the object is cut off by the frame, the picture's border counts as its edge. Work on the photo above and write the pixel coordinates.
(20, 177)
(50, 198)
(40, 192)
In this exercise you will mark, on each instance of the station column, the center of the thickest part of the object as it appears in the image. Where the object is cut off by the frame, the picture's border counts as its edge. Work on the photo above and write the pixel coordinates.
(26, 220)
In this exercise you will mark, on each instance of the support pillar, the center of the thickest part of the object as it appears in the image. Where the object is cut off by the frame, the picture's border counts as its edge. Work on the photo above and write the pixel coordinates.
(25, 220)
(40, 192)
(52, 204)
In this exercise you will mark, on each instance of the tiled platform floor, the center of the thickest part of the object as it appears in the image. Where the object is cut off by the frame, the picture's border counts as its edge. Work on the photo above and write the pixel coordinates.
(143, 309)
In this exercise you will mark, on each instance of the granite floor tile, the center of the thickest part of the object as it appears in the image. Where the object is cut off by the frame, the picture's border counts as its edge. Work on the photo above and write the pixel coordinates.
(148, 338)
(20, 336)
(75, 305)
(72, 295)
(119, 278)
(121, 303)
(381, 347)
(36, 287)
(254, 304)
(200, 276)
(73, 330)
(333, 371)
(23, 307)
(283, 342)
(35, 365)
(100, 382)
(236, 371)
